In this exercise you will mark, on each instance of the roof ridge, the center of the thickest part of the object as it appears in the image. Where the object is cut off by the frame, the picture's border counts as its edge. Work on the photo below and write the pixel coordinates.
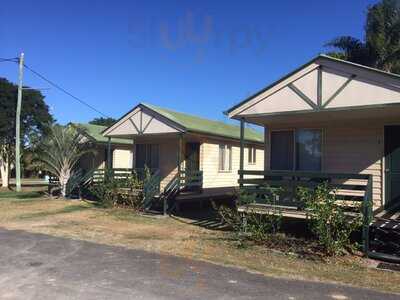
(302, 66)
(151, 106)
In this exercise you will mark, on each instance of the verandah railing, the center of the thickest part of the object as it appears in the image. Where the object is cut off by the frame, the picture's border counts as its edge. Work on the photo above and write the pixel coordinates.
(183, 181)
(122, 173)
(352, 190)
(149, 181)
(191, 180)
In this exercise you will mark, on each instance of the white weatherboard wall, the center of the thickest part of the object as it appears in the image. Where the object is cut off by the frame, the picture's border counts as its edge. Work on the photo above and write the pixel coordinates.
(209, 164)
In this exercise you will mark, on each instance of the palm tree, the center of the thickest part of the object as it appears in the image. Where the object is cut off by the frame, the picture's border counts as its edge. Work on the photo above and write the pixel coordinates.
(381, 46)
(60, 152)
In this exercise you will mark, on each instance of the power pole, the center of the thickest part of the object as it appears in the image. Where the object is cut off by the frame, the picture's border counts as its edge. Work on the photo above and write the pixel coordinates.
(17, 126)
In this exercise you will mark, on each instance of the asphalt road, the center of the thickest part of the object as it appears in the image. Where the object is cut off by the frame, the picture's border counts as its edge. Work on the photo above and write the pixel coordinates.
(36, 266)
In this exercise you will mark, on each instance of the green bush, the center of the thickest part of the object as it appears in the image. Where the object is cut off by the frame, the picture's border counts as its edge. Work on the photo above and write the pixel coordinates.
(114, 191)
(252, 225)
(329, 222)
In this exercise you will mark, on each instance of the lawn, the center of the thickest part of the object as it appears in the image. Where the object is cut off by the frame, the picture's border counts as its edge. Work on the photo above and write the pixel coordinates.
(185, 237)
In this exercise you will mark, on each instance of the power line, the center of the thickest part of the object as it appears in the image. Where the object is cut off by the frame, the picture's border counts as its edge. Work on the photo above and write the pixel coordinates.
(65, 91)
(15, 59)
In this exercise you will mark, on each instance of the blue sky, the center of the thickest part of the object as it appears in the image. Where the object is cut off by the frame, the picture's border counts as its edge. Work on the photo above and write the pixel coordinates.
(199, 57)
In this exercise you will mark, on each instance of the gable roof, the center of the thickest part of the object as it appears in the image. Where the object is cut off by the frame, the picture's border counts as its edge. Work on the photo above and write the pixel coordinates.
(320, 58)
(95, 133)
(190, 123)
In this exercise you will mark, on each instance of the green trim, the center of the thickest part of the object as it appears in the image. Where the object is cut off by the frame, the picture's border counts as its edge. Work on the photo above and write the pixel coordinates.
(339, 90)
(134, 125)
(302, 96)
(321, 56)
(319, 87)
(305, 111)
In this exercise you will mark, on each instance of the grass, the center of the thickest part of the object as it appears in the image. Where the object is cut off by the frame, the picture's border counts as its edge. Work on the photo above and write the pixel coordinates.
(182, 237)
(12, 195)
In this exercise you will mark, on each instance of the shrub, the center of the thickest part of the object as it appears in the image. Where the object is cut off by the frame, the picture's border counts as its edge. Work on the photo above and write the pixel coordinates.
(329, 221)
(255, 226)
(114, 191)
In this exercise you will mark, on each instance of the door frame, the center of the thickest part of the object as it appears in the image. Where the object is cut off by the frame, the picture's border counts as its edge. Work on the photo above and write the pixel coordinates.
(198, 154)
(385, 180)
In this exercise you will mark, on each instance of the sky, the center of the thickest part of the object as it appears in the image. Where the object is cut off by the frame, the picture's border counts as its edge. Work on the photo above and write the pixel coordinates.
(198, 57)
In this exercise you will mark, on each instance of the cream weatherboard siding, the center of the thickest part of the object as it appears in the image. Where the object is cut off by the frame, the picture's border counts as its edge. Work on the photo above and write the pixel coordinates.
(349, 147)
(93, 161)
(168, 160)
(168, 156)
(121, 154)
(122, 158)
(209, 164)
(209, 159)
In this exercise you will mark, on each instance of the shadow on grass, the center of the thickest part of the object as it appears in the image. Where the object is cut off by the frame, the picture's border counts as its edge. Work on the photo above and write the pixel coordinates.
(207, 218)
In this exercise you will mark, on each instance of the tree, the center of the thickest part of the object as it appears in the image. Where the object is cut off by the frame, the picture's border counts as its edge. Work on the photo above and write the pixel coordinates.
(381, 45)
(35, 118)
(103, 121)
(60, 152)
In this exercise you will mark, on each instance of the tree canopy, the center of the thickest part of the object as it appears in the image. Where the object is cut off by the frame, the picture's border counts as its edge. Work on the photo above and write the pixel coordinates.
(35, 118)
(380, 48)
(35, 115)
(103, 121)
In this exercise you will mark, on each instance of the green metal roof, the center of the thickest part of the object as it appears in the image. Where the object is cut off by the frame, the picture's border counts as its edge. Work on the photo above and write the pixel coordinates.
(201, 125)
(95, 132)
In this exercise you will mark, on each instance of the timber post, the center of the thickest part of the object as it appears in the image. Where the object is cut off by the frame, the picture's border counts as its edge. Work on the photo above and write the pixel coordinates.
(180, 142)
(108, 163)
(241, 164)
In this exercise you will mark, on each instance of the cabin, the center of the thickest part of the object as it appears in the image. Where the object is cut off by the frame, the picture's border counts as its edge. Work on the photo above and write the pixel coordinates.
(335, 121)
(119, 150)
(194, 157)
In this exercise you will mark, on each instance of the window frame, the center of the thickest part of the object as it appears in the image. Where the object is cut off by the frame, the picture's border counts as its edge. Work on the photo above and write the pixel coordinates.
(294, 130)
(225, 147)
(148, 150)
(251, 155)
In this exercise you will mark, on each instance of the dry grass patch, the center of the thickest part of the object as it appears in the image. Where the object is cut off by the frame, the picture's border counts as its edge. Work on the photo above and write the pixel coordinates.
(83, 220)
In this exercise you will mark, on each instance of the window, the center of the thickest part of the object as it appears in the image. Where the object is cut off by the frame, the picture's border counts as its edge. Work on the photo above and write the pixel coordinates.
(296, 150)
(252, 155)
(147, 155)
(225, 158)
(308, 150)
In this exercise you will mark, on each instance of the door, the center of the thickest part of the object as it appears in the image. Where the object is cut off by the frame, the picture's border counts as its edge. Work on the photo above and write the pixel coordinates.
(392, 165)
(192, 157)
(192, 164)
(282, 150)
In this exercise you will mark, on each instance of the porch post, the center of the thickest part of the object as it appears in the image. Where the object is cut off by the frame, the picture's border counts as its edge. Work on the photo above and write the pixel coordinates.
(180, 141)
(109, 159)
(133, 155)
(241, 166)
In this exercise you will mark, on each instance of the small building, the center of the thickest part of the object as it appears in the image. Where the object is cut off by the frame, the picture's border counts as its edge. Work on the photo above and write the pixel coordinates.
(179, 145)
(330, 117)
(120, 149)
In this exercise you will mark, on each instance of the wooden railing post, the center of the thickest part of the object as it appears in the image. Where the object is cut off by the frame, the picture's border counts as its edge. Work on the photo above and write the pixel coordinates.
(367, 214)
(180, 147)
(109, 162)
(241, 164)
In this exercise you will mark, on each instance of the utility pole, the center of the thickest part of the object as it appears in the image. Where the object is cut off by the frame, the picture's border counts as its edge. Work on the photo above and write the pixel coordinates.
(17, 126)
